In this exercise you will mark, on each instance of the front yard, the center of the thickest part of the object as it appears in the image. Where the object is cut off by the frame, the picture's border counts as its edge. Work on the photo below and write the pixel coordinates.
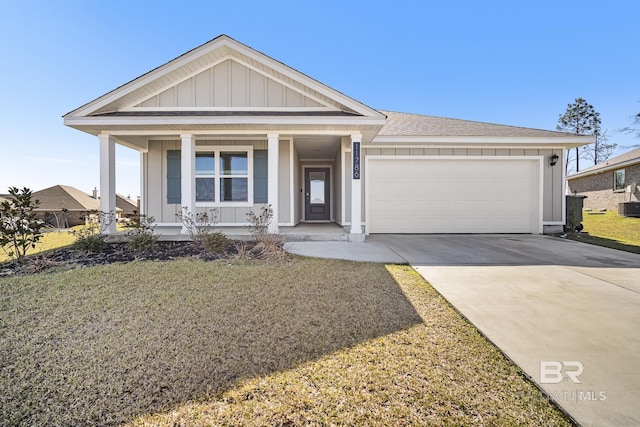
(308, 342)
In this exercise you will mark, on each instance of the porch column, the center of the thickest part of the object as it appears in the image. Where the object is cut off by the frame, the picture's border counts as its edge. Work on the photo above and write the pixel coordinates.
(142, 200)
(273, 198)
(108, 180)
(356, 190)
(187, 174)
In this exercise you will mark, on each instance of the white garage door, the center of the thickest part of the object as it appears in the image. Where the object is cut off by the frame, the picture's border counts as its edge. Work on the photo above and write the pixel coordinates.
(453, 195)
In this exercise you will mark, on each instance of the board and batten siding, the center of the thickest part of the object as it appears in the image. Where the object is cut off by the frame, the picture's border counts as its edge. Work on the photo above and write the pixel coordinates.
(229, 84)
(156, 182)
(553, 186)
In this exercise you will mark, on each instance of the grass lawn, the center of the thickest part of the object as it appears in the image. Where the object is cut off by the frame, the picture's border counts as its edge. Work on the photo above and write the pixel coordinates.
(611, 230)
(309, 342)
(51, 240)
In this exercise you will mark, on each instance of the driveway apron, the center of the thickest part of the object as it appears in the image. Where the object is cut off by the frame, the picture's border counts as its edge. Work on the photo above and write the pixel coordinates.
(567, 313)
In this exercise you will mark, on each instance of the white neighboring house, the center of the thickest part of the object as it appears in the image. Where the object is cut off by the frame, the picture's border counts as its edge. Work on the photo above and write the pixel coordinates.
(224, 126)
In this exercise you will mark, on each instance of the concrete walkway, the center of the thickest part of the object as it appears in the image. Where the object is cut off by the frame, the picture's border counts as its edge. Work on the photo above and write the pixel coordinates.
(567, 313)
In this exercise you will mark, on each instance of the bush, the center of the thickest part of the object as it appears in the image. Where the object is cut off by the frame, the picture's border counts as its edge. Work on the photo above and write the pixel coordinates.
(19, 227)
(215, 242)
(200, 228)
(141, 235)
(91, 237)
(269, 246)
(90, 242)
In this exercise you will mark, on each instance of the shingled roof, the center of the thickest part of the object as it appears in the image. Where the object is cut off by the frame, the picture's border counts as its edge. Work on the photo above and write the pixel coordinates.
(405, 124)
(62, 196)
(626, 159)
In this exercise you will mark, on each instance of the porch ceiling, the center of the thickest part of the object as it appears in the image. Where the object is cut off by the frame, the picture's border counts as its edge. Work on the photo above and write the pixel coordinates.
(317, 147)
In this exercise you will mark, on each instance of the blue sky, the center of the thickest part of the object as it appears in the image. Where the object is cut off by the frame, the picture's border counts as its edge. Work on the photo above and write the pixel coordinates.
(510, 62)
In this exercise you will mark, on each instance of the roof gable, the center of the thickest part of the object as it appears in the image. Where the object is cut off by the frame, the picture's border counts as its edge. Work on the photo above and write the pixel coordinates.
(231, 85)
(223, 75)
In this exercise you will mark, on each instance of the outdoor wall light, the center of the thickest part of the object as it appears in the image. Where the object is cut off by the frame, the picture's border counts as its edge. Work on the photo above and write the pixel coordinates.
(553, 160)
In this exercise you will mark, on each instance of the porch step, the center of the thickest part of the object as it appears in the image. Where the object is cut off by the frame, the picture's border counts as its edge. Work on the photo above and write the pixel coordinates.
(315, 237)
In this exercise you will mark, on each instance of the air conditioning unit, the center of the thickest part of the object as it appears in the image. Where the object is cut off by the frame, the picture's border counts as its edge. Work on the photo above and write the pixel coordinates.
(629, 209)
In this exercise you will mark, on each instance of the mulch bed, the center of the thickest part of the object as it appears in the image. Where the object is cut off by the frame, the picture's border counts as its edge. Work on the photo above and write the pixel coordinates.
(69, 257)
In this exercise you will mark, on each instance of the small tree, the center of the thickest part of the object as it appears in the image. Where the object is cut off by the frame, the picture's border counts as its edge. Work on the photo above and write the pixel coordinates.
(19, 227)
(600, 150)
(582, 119)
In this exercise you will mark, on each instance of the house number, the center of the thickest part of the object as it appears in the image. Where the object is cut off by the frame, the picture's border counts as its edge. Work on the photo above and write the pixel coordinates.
(356, 160)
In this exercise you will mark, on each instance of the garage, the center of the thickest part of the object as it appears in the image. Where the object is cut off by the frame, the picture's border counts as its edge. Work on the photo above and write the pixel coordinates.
(453, 194)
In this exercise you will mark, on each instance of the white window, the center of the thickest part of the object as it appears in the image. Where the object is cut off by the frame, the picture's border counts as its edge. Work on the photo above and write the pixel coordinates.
(224, 176)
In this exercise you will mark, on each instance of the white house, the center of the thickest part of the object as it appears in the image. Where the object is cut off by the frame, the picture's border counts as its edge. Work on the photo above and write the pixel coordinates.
(224, 126)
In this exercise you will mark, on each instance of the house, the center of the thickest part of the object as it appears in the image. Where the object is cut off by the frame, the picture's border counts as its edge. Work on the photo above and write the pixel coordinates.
(226, 127)
(63, 206)
(609, 183)
(127, 208)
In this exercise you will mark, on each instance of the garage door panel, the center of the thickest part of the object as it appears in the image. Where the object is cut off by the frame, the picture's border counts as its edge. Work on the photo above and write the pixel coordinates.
(453, 195)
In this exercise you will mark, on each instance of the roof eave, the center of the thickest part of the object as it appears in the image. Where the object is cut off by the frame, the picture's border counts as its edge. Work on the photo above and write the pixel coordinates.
(79, 122)
(606, 168)
(563, 141)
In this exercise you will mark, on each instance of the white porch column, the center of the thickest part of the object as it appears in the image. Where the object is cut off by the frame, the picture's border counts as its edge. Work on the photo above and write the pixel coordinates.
(272, 172)
(356, 189)
(144, 155)
(108, 179)
(187, 174)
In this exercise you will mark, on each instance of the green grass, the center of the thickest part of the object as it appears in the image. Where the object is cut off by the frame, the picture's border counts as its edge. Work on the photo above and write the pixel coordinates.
(49, 241)
(611, 230)
(308, 342)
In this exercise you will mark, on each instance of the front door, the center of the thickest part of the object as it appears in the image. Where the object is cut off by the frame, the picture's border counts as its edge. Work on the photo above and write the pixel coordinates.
(317, 186)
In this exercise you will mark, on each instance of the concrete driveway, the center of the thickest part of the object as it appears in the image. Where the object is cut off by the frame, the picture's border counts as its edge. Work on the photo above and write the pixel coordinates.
(566, 312)
(553, 306)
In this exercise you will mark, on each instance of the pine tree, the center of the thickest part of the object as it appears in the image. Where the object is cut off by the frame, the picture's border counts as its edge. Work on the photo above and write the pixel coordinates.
(582, 119)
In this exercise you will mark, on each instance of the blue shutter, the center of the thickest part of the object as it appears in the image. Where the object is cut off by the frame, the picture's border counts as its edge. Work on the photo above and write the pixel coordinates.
(260, 176)
(174, 182)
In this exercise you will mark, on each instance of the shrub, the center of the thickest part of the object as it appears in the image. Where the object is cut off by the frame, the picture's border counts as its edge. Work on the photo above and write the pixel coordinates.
(88, 242)
(200, 227)
(268, 245)
(215, 242)
(19, 227)
(91, 237)
(141, 235)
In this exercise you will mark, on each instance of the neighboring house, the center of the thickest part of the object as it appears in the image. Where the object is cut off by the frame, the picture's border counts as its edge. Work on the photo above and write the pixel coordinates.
(63, 206)
(609, 183)
(127, 208)
(224, 126)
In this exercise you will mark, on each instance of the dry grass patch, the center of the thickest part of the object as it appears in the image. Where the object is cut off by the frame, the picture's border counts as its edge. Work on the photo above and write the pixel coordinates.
(309, 342)
(439, 372)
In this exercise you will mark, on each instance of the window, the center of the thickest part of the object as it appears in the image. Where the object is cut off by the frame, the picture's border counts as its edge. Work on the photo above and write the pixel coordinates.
(223, 175)
(234, 177)
(618, 180)
(205, 177)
